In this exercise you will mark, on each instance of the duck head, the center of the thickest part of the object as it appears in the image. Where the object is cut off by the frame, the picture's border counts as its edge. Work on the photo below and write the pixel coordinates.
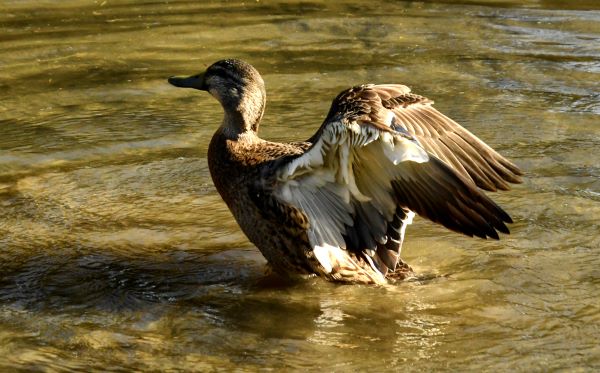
(239, 88)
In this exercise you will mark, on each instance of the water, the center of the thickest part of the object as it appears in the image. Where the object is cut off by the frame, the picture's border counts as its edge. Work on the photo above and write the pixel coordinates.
(116, 252)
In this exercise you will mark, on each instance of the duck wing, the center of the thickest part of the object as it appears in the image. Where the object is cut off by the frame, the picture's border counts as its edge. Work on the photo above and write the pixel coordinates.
(372, 163)
(446, 139)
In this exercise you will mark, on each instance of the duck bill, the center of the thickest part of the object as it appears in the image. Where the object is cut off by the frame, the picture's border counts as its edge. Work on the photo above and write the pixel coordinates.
(194, 81)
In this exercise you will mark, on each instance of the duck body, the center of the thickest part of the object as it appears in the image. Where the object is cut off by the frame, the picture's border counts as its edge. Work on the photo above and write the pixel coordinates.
(244, 172)
(337, 205)
(240, 171)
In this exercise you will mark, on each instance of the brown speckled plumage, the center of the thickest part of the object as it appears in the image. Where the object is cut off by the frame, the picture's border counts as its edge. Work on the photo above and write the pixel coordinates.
(337, 205)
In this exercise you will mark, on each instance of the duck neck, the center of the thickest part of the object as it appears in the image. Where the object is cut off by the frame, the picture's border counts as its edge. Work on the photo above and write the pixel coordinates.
(236, 124)
(244, 117)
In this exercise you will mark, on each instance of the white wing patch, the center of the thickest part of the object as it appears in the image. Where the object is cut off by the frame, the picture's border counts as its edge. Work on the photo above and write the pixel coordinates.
(349, 164)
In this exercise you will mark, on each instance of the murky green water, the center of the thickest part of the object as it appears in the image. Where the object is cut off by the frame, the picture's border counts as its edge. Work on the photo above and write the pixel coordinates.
(116, 252)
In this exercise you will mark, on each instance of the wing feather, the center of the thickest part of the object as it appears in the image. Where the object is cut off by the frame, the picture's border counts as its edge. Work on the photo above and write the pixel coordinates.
(451, 142)
(381, 154)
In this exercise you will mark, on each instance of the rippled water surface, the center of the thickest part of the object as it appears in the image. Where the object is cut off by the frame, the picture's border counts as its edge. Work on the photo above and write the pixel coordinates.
(116, 253)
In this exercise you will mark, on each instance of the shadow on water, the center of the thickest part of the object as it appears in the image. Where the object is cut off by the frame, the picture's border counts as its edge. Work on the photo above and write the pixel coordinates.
(115, 283)
(112, 282)
(226, 289)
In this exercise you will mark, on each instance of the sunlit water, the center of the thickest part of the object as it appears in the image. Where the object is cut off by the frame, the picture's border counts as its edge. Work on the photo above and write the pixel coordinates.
(116, 253)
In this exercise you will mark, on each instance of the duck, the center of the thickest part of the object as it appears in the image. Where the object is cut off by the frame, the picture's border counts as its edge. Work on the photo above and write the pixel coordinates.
(337, 205)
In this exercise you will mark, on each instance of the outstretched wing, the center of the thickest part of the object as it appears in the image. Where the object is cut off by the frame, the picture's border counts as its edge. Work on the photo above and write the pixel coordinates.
(371, 164)
(446, 139)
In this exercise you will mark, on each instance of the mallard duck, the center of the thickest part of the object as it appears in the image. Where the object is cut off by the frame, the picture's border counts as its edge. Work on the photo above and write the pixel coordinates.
(337, 205)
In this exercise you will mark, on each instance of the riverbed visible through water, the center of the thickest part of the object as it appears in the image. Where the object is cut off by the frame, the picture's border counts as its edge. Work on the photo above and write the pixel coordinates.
(117, 254)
